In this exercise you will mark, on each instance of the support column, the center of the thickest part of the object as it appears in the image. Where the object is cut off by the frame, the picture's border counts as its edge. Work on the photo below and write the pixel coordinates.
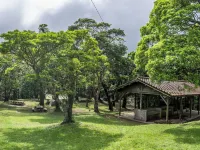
(167, 110)
(190, 107)
(135, 100)
(198, 104)
(140, 100)
(181, 109)
(120, 103)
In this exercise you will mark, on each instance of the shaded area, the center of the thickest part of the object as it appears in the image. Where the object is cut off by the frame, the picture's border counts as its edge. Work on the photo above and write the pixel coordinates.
(186, 134)
(57, 137)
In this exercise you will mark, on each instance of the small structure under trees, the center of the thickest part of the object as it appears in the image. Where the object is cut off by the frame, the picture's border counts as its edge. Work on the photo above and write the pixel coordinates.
(157, 100)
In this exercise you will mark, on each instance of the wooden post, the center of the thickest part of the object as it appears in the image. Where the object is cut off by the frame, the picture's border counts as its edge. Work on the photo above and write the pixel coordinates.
(181, 109)
(120, 106)
(167, 110)
(190, 107)
(140, 100)
(135, 101)
(198, 104)
(176, 99)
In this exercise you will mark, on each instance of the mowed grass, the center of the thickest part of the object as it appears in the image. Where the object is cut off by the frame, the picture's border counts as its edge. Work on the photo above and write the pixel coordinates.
(22, 129)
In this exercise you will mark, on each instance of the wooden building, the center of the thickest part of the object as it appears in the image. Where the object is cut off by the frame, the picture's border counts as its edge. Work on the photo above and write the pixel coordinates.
(158, 100)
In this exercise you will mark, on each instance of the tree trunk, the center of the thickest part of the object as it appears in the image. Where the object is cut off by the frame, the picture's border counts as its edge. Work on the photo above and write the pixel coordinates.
(68, 111)
(6, 99)
(41, 89)
(108, 96)
(87, 102)
(42, 94)
(96, 98)
(57, 103)
(15, 94)
(6, 96)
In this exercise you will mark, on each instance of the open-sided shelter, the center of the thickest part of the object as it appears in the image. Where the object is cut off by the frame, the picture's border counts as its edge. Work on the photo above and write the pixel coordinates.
(160, 99)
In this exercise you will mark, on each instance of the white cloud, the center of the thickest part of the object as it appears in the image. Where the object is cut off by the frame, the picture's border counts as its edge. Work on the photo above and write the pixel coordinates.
(7, 4)
(33, 9)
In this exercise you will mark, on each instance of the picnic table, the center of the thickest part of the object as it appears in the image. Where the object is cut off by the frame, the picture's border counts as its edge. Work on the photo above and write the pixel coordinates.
(39, 109)
(18, 103)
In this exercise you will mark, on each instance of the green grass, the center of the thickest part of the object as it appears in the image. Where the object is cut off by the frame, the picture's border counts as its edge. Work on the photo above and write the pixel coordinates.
(22, 129)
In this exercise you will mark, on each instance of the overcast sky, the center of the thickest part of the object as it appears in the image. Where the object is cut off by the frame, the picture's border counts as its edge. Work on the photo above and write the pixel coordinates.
(128, 15)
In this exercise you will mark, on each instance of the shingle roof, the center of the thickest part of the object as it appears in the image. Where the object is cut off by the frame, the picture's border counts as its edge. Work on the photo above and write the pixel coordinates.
(172, 88)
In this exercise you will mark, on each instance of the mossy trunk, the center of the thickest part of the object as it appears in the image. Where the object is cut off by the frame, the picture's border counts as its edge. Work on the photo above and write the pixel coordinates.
(57, 104)
(41, 88)
(110, 104)
(96, 99)
(6, 95)
(68, 118)
(42, 95)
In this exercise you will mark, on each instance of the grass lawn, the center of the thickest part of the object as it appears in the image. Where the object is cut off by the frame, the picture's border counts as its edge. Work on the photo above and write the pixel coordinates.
(22, 129)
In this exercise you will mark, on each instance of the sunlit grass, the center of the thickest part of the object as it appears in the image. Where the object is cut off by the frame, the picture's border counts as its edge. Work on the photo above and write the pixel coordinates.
(22, 129)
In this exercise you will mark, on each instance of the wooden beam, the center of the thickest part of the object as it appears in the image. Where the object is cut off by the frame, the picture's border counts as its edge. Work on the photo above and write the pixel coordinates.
(167, 110)
(135, 100)
(181, 109)
(163, 99)
(190, 107)
(120, 103)
(140, 100)
(198, 104)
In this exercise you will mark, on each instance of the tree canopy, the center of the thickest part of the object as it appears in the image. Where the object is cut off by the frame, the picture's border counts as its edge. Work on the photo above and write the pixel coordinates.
(169, 47)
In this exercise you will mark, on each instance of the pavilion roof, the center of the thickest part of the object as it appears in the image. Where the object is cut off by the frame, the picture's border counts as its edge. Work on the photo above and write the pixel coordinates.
(172, 88)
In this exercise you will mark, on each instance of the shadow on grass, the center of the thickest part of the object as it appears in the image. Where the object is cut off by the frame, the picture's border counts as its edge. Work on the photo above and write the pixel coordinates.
(186, 135)
(107, 120)
(25, 110)
(56, 117)
(73, 137)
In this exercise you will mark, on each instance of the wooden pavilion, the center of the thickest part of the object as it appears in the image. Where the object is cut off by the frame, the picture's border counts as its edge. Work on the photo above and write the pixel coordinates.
(157, 100)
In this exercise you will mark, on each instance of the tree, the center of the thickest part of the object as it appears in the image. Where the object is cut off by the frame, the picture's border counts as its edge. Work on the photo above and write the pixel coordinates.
(169, 47)
(35, 49)
(9, 73)
(77, 59)
(111, 42)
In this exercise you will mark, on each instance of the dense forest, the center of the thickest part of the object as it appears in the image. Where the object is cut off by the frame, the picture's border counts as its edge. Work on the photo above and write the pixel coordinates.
(90, 59)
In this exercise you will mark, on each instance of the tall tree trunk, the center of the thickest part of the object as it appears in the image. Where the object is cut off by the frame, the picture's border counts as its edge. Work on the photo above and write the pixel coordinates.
(15, 94)
(6, 99)
(96, 99)
(87, 102)
(6, 95)
(108, 96)
(41, 89)
(68, 110)
(57, 103)
(42, 97)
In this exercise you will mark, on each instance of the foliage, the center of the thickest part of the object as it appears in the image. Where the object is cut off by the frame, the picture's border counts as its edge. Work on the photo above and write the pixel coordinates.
(111, 42)
(169, 47)
(10, 72)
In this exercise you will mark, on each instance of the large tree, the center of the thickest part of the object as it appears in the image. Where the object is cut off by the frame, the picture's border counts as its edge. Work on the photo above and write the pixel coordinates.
(35, 49)
(111, 42)
(169, 48)
(72, 64)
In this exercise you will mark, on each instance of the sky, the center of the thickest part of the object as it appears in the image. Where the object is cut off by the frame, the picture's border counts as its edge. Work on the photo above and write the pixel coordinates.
(128, 15)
